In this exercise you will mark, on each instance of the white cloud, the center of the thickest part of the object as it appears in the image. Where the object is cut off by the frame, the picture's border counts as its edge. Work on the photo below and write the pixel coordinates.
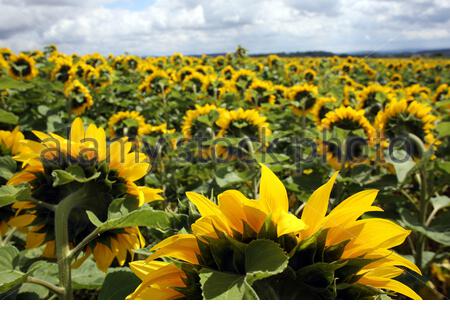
(197, 26)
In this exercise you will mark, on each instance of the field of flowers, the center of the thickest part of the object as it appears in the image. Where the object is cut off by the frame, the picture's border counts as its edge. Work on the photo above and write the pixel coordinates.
(223, 177)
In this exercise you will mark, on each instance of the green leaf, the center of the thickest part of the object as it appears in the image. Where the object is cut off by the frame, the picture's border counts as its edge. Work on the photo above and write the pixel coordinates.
(439, 231)
(443, 129)
(225, 286)
(87, 276)
(10, 83)
(9, 277)
(264, 258)
(8, 117)
(145, 217)
(440, 202)
(9, 194)
(74, 173)
(402, 168)
(118, 284)
(7, 167)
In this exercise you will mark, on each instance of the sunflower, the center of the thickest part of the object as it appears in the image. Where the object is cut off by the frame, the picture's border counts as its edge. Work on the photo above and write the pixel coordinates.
(79, 70)
(401, 118)
(374, 98)
(309, 75)
(152, 130)
(417, 92)
(157, 82)
(322, 107)
(356, 253)
(176, 59)
(22, 67)
(183, 73)
(260, 92)
(292, 68)
(132, 62)
(147, 68)
(6, 53)
(442, 93)
(79, 95)
(94, 59)
(361, 134)
(195, 83)
(62, 70)
(105, 173)
(280, 92)
(129, 124)
(348, 118)
(274, 61)
(304, 96)
(200, 121)
(244, 123)
(242, 79)
(350, 97)
(10, 146)
(99, 77)
(227, 72)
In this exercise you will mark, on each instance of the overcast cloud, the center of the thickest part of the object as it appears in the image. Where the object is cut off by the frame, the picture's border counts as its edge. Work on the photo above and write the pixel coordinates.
(208, 26)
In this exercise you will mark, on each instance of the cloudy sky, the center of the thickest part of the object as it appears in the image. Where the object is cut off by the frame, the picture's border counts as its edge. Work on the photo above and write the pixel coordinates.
(158, 27)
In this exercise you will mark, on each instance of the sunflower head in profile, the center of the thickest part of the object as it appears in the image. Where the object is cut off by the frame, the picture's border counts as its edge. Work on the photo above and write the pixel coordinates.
(195, 83)
(10, 146)
(132, 62)
(228, 72)
(242, 79)
(397, 77)
(79, 96)
(274, 61)
(79, 70)
(292, 68)
(157, 130)
(350, 97)
(62, 70)
(320, 256)
(401, 118)
(118, 63)
(280, 92)
(94, 59)
(416, 92)
(177, 59)
(202, 122)
(309, 75)
(360, 134)
(322, 107)
(442, 93)
(304, 98)
(6, 53)
(99, 77)
(130, 124)
(183, 73)
(374, 98)
(156, 83)
(260, 92)
(22, 67)
(98, 174)
(239, 130)
(147, 68)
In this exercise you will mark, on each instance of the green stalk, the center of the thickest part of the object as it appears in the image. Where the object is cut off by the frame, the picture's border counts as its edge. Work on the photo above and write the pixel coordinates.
(423, 201)
(63, 251)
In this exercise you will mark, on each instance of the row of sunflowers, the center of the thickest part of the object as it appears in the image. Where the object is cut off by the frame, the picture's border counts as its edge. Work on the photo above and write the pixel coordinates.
(223, 177)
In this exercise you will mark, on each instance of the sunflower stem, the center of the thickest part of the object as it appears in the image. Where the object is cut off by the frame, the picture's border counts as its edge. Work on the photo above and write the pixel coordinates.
(62, 213)
(423, 201)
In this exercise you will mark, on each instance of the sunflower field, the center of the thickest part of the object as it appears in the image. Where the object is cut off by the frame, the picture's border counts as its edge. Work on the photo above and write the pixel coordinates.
(223, 177)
